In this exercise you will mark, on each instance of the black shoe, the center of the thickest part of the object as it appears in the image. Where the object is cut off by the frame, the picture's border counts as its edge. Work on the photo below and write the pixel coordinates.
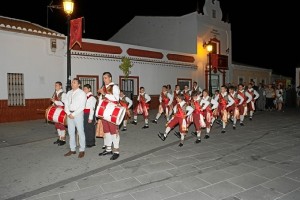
(198, 141)
(154, 121)
(124, 129)
(61, 142)
(161, 136)
(146, 126)
(223, 131)
(134, 122)
(206, 136)
(104, 147)
(180, 144)
(105, 153)
(115, 156)
(56, 142)
(250, 118)
(194, 133)
(177, 134)
(234, 127)
(242, 124)
(89, 145)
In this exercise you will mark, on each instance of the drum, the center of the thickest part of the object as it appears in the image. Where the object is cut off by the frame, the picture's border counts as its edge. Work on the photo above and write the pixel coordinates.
(111, 112)
(56, 114)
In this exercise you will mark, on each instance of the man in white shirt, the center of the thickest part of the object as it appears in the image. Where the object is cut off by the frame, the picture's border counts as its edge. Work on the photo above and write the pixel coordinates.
(89, 117)
(142, 107)
(74, 106)
(253, 95)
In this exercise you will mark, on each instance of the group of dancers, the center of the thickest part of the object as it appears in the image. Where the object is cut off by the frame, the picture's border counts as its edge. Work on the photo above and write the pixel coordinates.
(195, 106)
(179, 107)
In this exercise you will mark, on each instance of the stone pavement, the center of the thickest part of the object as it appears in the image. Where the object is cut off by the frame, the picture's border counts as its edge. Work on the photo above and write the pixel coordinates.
(258, 161)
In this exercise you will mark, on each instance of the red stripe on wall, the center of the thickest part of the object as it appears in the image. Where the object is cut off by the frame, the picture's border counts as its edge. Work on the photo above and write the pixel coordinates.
(144, 53)
(100, 48)
(182, 58)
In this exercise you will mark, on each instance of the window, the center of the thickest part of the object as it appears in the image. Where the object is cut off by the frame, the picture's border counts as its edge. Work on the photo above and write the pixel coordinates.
(214, 14)
(15, 84)
(92, 80)
(241, 80)
(183, 82)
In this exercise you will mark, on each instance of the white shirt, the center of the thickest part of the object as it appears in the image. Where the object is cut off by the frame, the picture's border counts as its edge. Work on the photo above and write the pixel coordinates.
(62, 98)
(127, 99)
(189, 109)
(230, 99)
(215, 102)
(204, 102)
(241, 98)
(116, 93)
(75, 101)
(147, 97)
(169, 97)
(256, 95)
(90, 104)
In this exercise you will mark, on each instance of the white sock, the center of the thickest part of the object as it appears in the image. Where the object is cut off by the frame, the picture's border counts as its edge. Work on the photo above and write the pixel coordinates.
(158, 116)
(124, 123)
(198, 134)
(116, 140)
(167, 131)
(107, 141)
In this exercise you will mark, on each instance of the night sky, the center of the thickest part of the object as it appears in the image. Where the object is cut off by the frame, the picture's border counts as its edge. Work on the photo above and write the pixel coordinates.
(263, 35)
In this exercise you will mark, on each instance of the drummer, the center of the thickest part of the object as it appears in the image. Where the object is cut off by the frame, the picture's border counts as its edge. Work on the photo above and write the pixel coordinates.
(58, 99)
(110, 92)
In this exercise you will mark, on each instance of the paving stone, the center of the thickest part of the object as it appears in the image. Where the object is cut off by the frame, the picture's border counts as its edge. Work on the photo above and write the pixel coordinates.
(247, 181)
(182, 170)
(277, 157)
(82, 194)
(193, 195)
(135, 163)
(295, 175)
(161, 158)
(95, 180)
(282, 184)
(183, 161)
(288, 165)
(239, 169)
(221, 190)
(161, 192)
(291, 196)
(119, 186)
(215, 176)
(187, 184)
(157, 167)
(258, 193)
(127, 173)
(156, 177)
(270, 172)
(165, 151)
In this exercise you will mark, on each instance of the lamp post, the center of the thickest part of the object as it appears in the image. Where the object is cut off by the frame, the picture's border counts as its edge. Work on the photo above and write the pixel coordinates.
(68, 8)
(209, 49)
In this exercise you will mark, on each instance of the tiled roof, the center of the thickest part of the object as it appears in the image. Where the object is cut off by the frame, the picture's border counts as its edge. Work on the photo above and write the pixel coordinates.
(16, 25)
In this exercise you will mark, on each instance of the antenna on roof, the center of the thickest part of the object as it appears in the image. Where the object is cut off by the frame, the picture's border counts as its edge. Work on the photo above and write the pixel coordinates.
(51, 7)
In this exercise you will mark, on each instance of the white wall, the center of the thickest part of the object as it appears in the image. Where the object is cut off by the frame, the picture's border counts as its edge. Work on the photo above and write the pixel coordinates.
(30, 55)
(171, 33)
(151, 75)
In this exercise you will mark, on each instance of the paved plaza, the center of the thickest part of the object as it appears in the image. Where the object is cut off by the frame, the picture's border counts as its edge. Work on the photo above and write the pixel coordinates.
(259, 161)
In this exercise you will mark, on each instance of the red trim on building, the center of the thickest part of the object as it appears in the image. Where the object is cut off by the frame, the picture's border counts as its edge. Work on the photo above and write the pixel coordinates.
(99, 48)
(144, 53)
(182, 58)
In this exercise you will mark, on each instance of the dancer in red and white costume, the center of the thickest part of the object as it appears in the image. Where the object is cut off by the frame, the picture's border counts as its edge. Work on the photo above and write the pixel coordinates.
(165, 101)
(181, 112)
(206, 103)
(142, 107)
(127, 103)
(251, 100)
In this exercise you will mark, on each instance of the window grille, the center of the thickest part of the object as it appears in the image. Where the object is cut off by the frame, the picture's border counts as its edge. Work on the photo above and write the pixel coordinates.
(15, 84)
(92, 80)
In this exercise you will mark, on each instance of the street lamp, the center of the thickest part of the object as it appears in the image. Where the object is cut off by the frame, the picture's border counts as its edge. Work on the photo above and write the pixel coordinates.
(209, 48)
(68, 8)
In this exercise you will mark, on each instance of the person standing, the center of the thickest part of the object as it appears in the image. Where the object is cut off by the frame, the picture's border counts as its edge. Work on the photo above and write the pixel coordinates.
(165, 100)
(127, 103)
(89, 119)
(58, 100)
(110, 93)
(74, 107)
